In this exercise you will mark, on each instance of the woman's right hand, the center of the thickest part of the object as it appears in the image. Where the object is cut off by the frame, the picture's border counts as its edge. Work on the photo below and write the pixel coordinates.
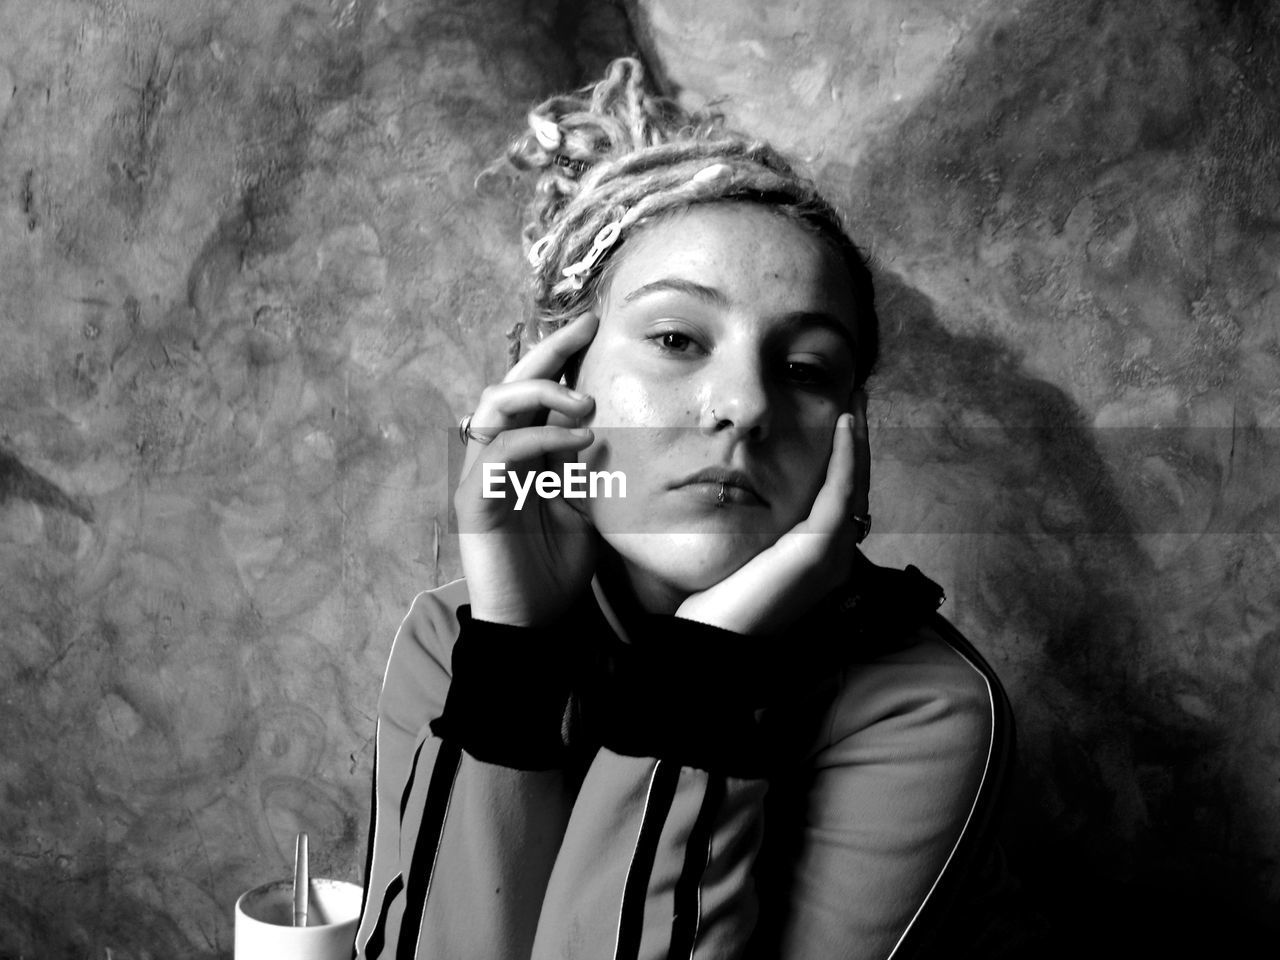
(524, 567)
(815, 556)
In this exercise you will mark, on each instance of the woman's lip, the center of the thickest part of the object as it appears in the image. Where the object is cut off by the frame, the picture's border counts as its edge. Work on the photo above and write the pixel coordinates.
(726, 476)
(721, 494)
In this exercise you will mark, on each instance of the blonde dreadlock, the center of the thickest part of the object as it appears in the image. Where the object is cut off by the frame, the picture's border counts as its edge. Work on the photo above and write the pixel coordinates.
(612, 157)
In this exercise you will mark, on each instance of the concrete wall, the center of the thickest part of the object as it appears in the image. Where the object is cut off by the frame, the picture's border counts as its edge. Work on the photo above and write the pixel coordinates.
(246, 288)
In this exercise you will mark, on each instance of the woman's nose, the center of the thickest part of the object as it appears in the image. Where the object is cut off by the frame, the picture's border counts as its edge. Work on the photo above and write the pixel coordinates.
(737, 400)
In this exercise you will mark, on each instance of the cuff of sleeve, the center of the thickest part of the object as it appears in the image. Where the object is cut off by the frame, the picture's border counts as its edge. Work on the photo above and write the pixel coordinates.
(687, 692)
(508, 694)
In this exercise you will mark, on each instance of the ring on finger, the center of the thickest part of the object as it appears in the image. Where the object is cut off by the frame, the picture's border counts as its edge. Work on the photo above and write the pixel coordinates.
(465, 433)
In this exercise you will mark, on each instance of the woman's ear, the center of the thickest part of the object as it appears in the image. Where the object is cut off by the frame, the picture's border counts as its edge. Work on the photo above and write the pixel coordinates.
(861, 455)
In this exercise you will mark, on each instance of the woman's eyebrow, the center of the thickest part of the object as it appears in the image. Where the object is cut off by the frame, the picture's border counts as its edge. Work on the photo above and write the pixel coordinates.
(677, 285)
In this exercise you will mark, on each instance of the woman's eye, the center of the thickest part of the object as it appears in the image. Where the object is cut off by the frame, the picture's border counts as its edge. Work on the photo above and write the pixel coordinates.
(806, 374)
(673, 341)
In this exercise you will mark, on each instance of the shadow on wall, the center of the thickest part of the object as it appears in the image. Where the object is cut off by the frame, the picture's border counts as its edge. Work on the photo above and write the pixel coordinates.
(1106, 831)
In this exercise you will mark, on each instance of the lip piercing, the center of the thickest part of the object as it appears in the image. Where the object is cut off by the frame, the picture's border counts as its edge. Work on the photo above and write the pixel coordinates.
(720, 496)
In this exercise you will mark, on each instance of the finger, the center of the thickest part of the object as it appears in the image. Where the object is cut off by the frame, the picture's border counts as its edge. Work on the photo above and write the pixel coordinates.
(520, 446)
(832, 506)
(504, 406)
(547, 359)
(862, 456)
(504, 402)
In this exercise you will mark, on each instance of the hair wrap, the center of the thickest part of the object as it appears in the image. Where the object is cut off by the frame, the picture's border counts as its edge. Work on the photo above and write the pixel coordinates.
(611, 157)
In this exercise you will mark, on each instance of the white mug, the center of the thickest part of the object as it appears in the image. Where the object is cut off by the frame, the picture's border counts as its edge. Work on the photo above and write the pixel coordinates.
(264, 922)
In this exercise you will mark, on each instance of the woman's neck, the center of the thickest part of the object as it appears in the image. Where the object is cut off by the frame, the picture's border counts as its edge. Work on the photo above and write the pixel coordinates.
(634, 591)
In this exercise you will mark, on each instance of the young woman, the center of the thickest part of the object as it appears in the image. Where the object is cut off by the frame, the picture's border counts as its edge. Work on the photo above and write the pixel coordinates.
(691, 721)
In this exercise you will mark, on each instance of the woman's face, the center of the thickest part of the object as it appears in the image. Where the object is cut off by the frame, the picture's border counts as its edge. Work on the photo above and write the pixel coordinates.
(724, 353)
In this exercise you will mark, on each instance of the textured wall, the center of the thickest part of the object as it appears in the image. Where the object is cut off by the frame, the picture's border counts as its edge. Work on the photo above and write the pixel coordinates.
(245, 287)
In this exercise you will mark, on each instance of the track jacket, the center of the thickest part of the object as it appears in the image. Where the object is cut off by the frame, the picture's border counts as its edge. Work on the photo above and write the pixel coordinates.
(653, 787)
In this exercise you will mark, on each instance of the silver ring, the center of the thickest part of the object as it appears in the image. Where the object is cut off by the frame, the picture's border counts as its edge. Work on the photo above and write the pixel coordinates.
(863, 525)
(465, 432)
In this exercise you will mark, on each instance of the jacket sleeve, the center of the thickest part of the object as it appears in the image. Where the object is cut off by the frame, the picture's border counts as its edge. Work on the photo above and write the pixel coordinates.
(901, 803)
(465, 823)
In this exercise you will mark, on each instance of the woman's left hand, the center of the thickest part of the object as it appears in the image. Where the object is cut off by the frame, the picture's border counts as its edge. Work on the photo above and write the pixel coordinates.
(809, 560)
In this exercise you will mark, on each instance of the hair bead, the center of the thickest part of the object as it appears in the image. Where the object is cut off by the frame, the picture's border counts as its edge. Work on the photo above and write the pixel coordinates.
(547, 132)
(538, 252)
(605, 239)
(717, 171)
